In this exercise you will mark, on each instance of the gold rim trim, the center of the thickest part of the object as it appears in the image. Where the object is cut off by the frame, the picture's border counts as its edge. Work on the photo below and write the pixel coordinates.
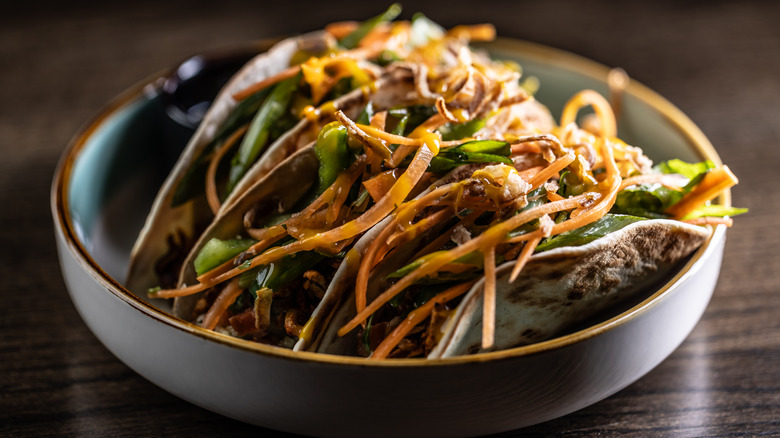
(537, 52)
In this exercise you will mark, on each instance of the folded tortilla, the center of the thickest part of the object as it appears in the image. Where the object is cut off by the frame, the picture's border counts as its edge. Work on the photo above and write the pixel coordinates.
(563, 287)
(556, 290)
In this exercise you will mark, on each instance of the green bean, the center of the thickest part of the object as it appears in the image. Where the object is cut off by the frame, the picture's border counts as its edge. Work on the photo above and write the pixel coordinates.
(257, 137)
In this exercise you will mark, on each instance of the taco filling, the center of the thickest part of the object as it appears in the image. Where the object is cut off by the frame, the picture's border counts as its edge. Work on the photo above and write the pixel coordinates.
(377, 231)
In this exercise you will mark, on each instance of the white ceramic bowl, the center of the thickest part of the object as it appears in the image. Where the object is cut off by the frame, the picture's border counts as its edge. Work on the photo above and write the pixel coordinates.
(101, 193)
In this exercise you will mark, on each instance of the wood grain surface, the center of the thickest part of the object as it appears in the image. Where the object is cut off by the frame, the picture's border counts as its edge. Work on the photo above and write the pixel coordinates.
(718, 61)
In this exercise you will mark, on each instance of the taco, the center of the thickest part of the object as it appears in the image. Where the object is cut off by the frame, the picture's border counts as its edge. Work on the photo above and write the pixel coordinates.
(304, 217)
(350, 245)
(272, 107)
(499, 256)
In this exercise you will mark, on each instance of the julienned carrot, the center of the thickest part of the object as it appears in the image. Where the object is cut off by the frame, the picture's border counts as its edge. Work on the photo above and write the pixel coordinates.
(525, 255)
(367, 262)
(489, 298)
(414, 230)
(545, 229)
(551, 170)
(713, 183)
(492, 236)
(406, 212)
(376, 213)
(379, 120)
(380, 184)
(600, 106)
(476, 32)
(497, 234)
(417, 316)
(328, 197)
(552, 196)
(211, 174)
(223, 301)
(342, 192)
(401, 140)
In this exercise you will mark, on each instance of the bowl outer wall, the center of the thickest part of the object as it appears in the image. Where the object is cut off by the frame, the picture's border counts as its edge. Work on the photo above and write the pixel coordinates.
(339, 397)
(347, 399)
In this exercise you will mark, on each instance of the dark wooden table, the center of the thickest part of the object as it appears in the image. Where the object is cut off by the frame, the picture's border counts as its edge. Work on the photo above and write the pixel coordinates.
(718, 61)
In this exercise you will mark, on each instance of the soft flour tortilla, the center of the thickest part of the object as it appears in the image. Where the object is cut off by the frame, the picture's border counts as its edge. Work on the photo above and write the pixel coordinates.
(164, 220)
(297, 174)
(562, 287)
(282, 188)
(555, 291)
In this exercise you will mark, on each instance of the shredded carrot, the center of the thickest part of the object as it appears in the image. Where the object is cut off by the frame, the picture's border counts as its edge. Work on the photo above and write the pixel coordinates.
(367, 262)
(497, 233)
(223, 301)
(370, 218)
(401, 152)
(399, 139)
(600, 106)
(713, 183)
(420, 226)
(212, 197)
(417, 316)
(406, 212)
(380, 184)
(489, 298)
(552, 196)
(375, 144)
(343, 191)
(376, 213)
(475, 32)
(545, 229)
(379, 120)
(490, 237)
(552, 170)
(333, 197)
(611, 187)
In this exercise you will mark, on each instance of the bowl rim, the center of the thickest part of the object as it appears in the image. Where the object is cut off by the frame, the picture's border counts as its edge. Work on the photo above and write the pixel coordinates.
(554, 57)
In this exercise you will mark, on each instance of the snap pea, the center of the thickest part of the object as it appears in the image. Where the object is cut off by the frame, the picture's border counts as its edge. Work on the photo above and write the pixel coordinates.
(457, 131)
(478, 151)
(332, 152)
(217, 251)
(257, 137)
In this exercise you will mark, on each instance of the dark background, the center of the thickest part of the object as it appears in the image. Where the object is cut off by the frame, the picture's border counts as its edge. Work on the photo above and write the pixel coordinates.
(60, 63)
